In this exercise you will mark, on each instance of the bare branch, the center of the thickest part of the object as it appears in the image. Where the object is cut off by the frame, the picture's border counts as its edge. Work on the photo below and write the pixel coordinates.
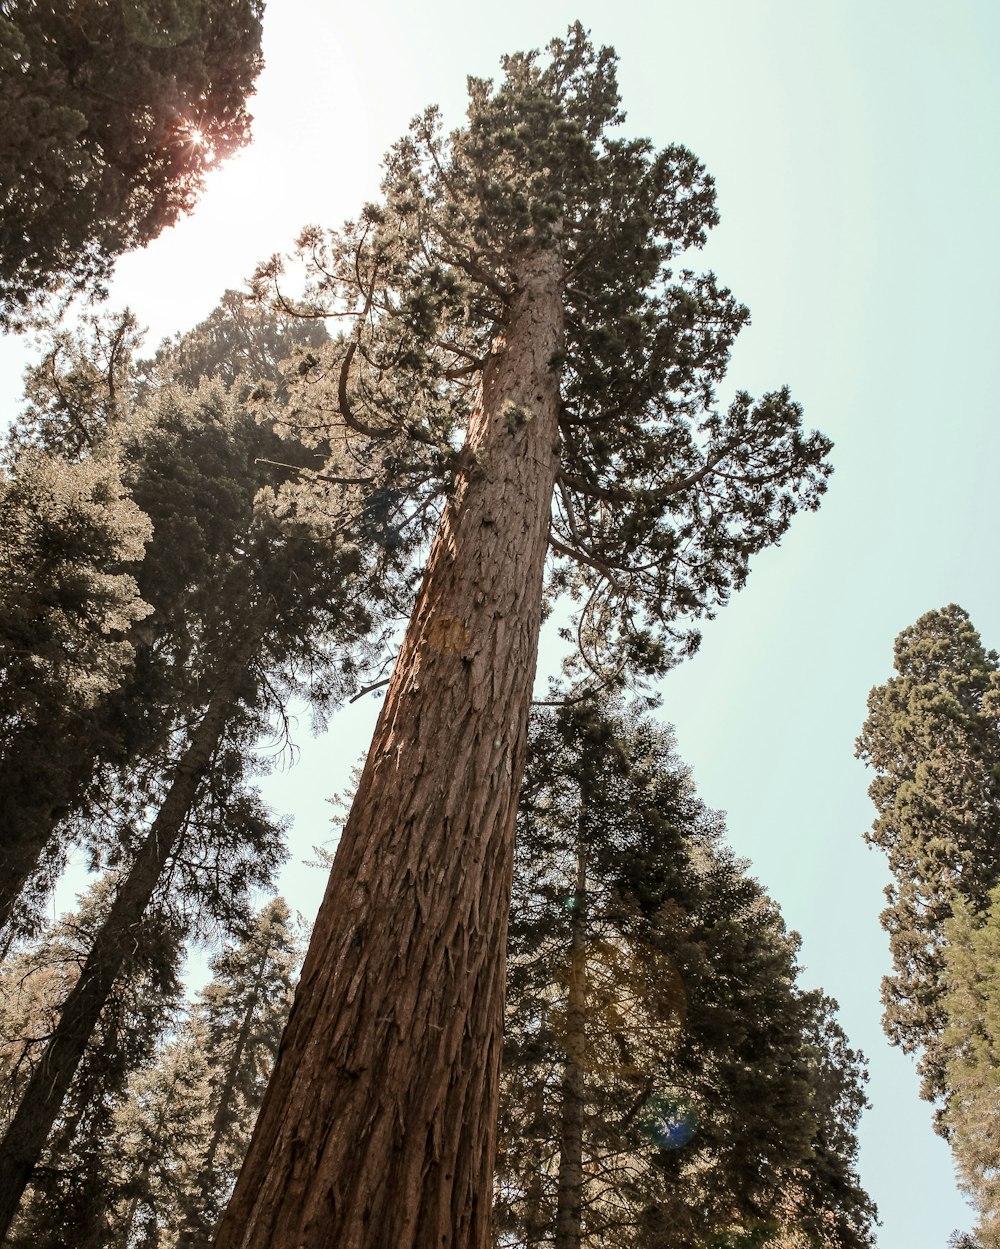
(314, 475)
(605, 569)
(368, 689)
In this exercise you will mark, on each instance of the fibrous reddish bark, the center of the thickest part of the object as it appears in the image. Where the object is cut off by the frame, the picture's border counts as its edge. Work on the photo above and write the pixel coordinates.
(378, 1128)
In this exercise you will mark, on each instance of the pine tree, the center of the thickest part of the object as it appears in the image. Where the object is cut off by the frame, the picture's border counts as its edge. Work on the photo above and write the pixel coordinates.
(244, 1011)
(253, 603)
(211, 836)
(195, 466)
(188, 1122)
(67, 611)
(74, 1187)
(512, 289)
(971, 1041)
(240, 343)
(665, 1083)
(932, 737)
(114, 112)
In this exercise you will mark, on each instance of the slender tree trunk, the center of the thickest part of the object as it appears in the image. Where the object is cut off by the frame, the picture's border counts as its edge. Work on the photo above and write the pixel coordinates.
(223, 1116)
(378, 1128)
(570, 1185)
(533, 1221)
(25, 1138)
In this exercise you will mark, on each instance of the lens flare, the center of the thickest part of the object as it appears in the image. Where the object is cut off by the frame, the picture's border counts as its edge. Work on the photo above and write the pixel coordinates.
(669, 1119)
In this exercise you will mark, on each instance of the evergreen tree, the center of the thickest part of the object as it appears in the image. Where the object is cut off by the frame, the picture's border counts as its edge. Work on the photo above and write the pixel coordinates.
(195, 467)
(160, 1129)
(664, 1084)
(253, 603)
(933, 738)
(67, 615)
(208, 1085)
(74, 1187)
(971, 1041)
(210, 845)
(244, 1011)
(514, 290)
(240, 343)
(114, 111)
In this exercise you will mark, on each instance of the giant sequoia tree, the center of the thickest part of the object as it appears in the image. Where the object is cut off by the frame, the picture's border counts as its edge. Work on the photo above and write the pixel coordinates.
(932, 738)
(114, 111)
(514, 326)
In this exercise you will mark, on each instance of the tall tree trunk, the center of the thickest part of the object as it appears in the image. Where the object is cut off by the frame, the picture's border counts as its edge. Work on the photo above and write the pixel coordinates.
(570, 1187)
(378, 1127)
(25, 1138)
(533, 1219)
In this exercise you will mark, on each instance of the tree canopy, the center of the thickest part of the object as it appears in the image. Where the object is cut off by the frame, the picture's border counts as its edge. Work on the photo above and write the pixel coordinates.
(666, 1082)
(114, 111)
(932, 738)
(486, 303)
(661, 499)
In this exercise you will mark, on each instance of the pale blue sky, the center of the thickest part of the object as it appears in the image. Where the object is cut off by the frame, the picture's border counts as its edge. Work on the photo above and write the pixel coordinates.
(855, 150)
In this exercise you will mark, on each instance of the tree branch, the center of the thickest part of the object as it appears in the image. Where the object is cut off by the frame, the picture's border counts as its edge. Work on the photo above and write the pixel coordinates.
(606, 570)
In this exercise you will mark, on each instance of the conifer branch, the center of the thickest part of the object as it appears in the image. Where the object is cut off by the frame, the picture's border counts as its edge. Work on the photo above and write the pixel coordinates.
(605, 569)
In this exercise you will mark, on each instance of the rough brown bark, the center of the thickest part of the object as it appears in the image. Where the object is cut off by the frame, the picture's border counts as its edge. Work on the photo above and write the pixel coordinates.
(25, 1138)
(570, 1183)
(378, 1128)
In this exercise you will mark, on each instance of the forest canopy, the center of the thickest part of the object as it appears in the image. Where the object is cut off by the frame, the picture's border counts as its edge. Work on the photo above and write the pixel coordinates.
(114, 112)
(543, 1003)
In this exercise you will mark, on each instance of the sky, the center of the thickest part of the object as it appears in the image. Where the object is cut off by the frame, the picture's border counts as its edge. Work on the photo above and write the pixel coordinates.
(854, 148)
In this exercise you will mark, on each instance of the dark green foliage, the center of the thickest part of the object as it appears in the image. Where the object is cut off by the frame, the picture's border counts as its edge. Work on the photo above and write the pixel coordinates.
(971, 1042)
(662, 499)
(76, 1185)
(720, 1102)
(65, 610)
(229, 530)
(68, 613)
(185, 1126)
(114, 111)
(933, 738)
